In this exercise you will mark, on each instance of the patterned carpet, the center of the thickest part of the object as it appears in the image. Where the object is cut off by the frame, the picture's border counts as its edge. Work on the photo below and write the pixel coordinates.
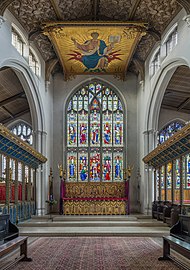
(95, 253)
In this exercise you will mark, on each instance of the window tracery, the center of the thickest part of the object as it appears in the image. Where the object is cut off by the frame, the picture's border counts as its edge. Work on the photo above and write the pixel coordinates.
(95, 137)
(169, 130)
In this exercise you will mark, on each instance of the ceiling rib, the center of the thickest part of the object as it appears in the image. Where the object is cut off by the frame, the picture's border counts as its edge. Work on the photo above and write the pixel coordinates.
(95, 9)
(4, 4)
(6, 110)
(56, 9)
(183, 104)
(133, 9)
(15, 116)
(13, 98)
(185, 4)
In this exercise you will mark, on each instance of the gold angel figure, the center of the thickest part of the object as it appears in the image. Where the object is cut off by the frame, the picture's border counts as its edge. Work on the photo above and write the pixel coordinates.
(129, 170)
(60, 167)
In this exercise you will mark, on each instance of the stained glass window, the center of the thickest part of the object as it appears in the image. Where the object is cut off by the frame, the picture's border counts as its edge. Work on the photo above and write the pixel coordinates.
(169, 131)
(95, 143)
(188, 171)
(24, 132)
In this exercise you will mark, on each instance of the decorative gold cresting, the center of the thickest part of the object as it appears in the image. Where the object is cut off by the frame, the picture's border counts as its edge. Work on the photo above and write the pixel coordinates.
(95, 47)
(173, 148)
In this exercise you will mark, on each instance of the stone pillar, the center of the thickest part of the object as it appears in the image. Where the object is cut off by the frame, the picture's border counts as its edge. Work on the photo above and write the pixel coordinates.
(23, 183)
(149, 139)
(29, 185)
(160, 190)
(165, 183)
(41, 181)
(181, 181)
(7, 182)
(16, 189)
(173, 183)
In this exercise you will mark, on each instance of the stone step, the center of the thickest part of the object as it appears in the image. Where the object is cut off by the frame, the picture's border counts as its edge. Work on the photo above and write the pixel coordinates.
(94, 231)
(89, 218)
(92, 223)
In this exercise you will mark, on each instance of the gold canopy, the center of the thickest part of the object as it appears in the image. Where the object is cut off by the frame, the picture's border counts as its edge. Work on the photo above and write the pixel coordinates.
(95, 48)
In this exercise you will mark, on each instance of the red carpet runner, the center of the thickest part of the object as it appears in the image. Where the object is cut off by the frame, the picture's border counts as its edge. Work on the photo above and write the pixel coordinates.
(95, 253)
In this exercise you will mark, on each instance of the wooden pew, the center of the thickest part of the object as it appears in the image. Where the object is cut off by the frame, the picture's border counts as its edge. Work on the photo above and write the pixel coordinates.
(20, 241)
(179, 240)
(10, 241)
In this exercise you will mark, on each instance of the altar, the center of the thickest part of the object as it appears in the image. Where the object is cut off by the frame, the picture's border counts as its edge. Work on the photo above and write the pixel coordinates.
(95, 198)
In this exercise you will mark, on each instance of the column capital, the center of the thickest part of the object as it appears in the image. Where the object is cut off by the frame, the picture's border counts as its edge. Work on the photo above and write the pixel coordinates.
(187, 20)
(2, 20)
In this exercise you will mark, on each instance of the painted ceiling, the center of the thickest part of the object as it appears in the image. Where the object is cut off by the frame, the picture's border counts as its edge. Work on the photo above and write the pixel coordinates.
(100, 48)
(33, 13)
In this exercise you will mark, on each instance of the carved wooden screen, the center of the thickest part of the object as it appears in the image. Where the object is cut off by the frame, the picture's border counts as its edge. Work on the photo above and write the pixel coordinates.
(95, 137)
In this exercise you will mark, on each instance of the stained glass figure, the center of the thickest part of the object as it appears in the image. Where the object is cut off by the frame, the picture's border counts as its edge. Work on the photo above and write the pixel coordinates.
(83, 167)
(162, 177)
(83, 134)
(95, 166)
(98, 87)
(169, 175)
(93, 130)
(107, 167)
(177, 174)
(95, 134)
(72, 166)
(188, 171)
(169, 130)
(118, 166)
(72, 134)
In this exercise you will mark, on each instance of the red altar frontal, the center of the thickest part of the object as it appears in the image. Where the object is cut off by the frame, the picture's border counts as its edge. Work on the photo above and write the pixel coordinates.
(95, 198)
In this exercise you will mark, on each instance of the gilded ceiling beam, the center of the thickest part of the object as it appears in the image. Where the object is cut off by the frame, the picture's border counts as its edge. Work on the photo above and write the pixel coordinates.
(185, 4)
(133, 9)
(4, 5)
(50, 64)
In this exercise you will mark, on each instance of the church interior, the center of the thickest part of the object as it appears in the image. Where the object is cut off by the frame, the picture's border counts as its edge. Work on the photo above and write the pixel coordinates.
(95, 134)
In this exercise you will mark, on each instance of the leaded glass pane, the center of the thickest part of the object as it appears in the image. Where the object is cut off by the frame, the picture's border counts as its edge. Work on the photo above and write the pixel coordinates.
(169, 175)
(107, 129)
(107, 166)
(95, 166)
(93, 130)
(188, 171)
(72, 166)
(169, 131)
(83, 167)
(118, 166)
(177, 174)
(23, 131)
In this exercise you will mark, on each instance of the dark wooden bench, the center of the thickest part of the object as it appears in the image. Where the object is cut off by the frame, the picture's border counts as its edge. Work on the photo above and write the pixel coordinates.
(179, 246)
(12, 245)
(171, 214)
(181, 229)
